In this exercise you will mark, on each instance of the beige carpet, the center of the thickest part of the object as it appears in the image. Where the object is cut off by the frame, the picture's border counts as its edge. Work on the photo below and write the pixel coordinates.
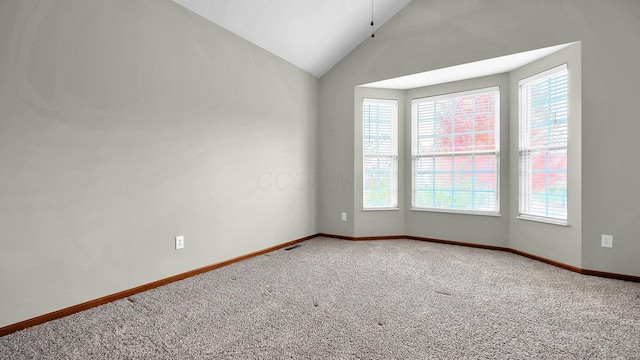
(357, 300)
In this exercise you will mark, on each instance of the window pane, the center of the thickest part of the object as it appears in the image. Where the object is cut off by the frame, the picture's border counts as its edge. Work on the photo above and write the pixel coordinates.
(455, 151)
(463, 142)
(548, 184)
(379, 149)
(444, 181)
(377, 129)
(378, 178)
(485, 140)
(443, 144)
(424, 182)
(543, 145)
(485, 182)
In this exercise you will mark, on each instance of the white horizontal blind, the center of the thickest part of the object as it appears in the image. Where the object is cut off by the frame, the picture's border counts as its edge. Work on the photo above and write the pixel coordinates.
(380, 153)
(543, 145)
(455, 151)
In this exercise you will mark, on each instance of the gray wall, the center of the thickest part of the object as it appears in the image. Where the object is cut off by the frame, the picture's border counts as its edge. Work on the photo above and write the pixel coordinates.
(125, 123)
(555, 242)
(433, 34)
(489, 230)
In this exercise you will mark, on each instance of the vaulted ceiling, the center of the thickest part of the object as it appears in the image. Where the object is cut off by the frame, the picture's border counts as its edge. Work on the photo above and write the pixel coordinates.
(311, 34)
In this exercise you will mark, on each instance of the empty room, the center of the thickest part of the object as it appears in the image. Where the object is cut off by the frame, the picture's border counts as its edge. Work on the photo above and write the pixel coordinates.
(375, 179)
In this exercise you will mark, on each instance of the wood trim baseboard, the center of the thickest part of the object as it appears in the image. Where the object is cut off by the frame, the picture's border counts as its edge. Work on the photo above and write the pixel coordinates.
(334, 236)
(363, 238)
(130, 292)
(6, 330)
(458, 243)
(610, 275)
(374, 238)
(545, 260)
(410, 237)
(493, 247)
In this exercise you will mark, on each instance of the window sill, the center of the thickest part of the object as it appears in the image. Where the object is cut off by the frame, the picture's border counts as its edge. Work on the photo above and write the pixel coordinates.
(545, 220)
(381, 209)
(461, 212)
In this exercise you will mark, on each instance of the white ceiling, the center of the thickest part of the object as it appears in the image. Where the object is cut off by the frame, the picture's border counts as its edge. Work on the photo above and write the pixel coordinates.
(472, 70)
(311, 34)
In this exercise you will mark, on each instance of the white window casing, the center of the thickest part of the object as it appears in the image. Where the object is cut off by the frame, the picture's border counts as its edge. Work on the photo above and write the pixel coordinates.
(542, 147)
(456, 152)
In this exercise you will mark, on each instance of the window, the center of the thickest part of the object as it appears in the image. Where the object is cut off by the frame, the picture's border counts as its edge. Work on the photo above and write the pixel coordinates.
(543, 146)
(455, 152)
(380, 153)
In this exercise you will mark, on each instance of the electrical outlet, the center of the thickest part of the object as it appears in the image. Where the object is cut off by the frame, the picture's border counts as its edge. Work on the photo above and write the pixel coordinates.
(179, 242)
(606, 241)
(344, 216)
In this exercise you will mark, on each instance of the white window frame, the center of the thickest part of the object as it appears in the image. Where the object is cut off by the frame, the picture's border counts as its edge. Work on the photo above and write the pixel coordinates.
(496, 152)
(524, 148)
(393, 155)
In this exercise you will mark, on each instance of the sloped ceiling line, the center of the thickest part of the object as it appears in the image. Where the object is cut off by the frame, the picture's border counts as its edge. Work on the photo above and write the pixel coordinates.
(314, 35)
